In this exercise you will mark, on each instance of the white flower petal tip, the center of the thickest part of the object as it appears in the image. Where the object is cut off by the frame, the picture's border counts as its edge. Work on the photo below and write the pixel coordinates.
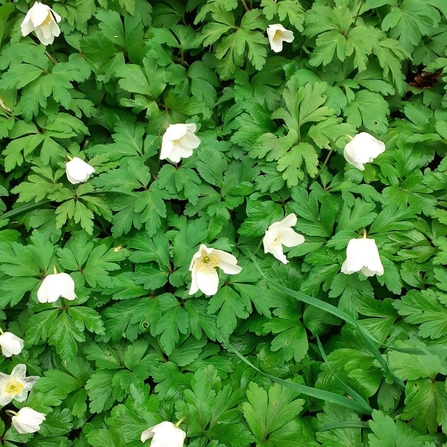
(362, 255)
(179, 141)
(54, 286)
(43, 21)
(15, 386)
(277, 34)
(363, 148)
(165, 434)
(203, 269)
(11, 344)
(27, 420)
(78, 171)
(279, 234)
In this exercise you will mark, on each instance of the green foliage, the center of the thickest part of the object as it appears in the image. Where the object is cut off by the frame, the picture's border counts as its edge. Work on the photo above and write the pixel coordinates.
(266, 412)
(281, 355)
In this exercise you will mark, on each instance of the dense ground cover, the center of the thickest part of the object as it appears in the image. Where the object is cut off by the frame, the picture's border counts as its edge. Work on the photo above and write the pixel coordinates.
(287, 349)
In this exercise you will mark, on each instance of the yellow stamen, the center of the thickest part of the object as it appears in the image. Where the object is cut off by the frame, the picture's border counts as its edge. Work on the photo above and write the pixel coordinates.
(278, 34)
(14, 387)
(48, 19)
(207, 263)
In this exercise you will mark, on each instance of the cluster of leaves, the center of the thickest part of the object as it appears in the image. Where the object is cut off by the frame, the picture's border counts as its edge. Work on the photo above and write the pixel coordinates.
(347, 360)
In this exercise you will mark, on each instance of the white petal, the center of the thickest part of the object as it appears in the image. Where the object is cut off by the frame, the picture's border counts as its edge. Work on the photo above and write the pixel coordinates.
(362, 255)
(42, 38)
(166, 148)
(27, 26)
(165, 434)
(208, 282)
(175, 131)
(147, 434)
(190, 140)
(78, 170)
(290, 238)
(27, 420)
(39, 12)
(363, 148)
(230, 268)
(277, 252)
(10, 344)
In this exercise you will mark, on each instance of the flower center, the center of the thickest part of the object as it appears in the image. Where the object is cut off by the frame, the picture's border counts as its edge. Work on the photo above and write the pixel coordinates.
(208, 263)
(48, 19)
(276, 241)
(278, 34)
(14, 387)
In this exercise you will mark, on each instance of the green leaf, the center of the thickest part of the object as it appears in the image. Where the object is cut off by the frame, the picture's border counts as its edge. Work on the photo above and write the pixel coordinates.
(339, 435)
(65, 334)
(101, 394)
(291, 340)
(427, 309)
(409, 21)
(349, 288)
(130, 318)
(230, 308)
(413, 366)
(291, 163)
(426, 405)
(173, 322)
(356, 217)
(267, 412)
(390, 433)
(20, 75)
(149, 82)
(58, 384)
(368, 109)
(201, 398)
(99, 263)
(260, 216)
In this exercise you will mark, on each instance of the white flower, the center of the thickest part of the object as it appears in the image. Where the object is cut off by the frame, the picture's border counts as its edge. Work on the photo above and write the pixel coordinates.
(279, 234)
(15, 386)
(277, 34)
(10, 344)
(27, 420)
(203, 269)
(78, 170)
(362, 255)
(54, 286)
(165, 434)
(41, 19)
(178, 142)
(363, 148)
